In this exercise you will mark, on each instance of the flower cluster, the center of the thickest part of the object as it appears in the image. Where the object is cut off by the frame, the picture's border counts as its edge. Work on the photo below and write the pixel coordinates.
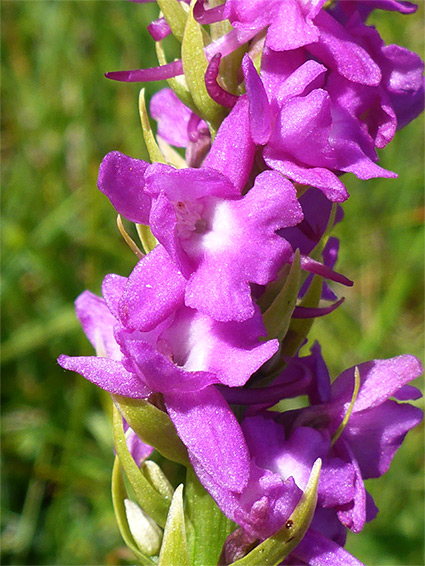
(279, 98)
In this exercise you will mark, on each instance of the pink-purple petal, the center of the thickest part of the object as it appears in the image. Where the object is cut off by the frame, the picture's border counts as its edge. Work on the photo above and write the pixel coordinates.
(317, 550)
(172, 117)
(299, 29)
(260, 115)
(375, 436)
(232, 153)
(242, 247)
(379, 380)
(212, 435)
(122, 180)
(107, 374)
(154, 290)
(98, 323)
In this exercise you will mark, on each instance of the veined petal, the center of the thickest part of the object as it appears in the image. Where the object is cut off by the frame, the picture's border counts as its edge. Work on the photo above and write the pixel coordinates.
(122, 180)
(107, 374)
(231, 351)
(380, 379)
(232, 152)
(375, 436)
(212, 435)
(242, 247)
(317, 550)
(98, 324)
(154, 290)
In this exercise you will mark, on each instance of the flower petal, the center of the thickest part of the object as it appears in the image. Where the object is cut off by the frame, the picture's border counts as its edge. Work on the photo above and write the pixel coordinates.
(107, 374)
(212, 435)
(122, 180)
(154, 290)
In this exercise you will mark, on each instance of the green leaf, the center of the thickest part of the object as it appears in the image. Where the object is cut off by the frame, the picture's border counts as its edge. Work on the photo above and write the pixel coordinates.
(148, 498)
(277, 547)
(299, 328)
(175, 15)
(194, 65)
(155, 154)
(148, 240)
(119, 494)
(350, 408)
(157, 479)
(174, 545)
(128, 239)
(153, 426)
(278, 316)
(207, 527)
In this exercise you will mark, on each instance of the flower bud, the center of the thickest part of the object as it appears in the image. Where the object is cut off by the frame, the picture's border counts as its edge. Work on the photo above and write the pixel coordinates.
(157, 479)
(145, 531)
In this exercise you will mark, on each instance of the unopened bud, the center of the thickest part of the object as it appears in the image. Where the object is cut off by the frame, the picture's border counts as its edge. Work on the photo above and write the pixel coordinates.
(146, 533)
(157, 479)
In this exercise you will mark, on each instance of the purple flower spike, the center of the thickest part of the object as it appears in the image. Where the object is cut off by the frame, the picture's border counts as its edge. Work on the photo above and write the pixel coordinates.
(376, 426)
(384, 422)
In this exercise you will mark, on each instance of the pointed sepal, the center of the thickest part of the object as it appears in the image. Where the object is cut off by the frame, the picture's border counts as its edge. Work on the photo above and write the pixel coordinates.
(299, 328)
(278, 315)
(174, 545)
(175, 15)
(150, 141)
(119, 494)
(148, 498)
(207, 526)
(157, 479)
(149, 242)
(195, 65)
(347, 415)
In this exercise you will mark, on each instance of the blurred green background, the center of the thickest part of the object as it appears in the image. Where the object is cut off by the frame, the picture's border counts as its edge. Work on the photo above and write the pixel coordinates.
(60, 116)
